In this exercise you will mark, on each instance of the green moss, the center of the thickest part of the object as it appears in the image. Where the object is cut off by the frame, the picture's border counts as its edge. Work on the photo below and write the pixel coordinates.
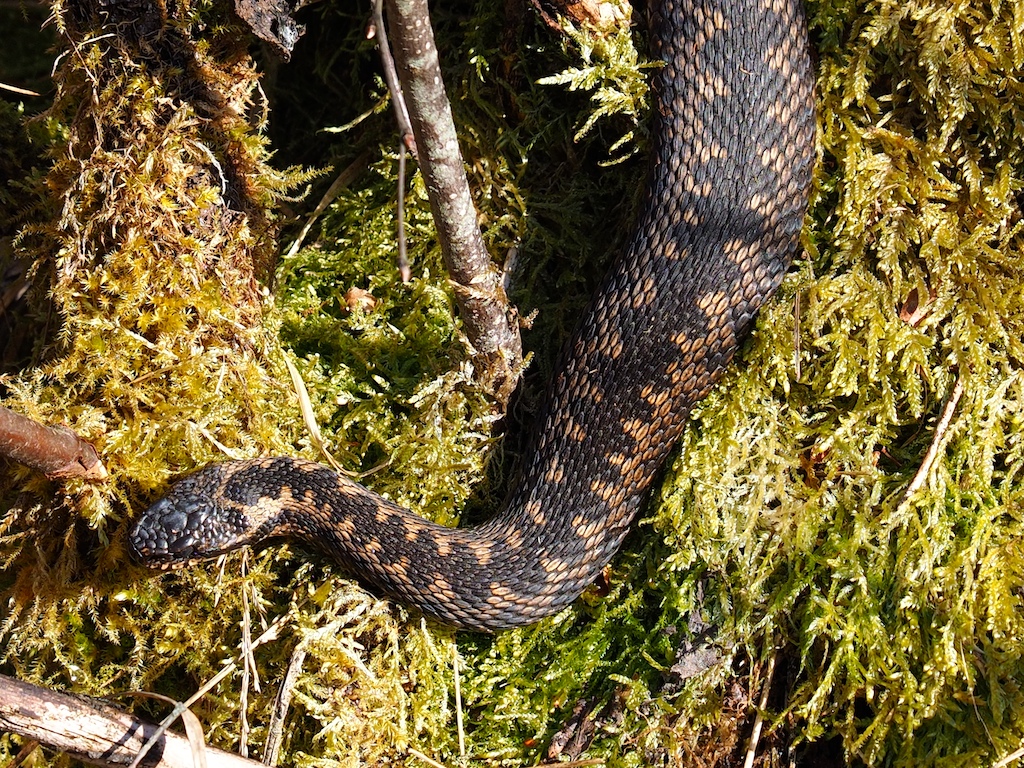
(891, 623)
(152, 341)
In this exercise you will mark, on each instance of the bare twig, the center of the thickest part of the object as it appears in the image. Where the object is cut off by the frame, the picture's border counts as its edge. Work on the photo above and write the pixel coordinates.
(95, 732)
(796, 337)
(387, 61)
(406, 137)
(56, 452)
(490, 325)
(404, 270)
(27, 749)
(938, 440)
(275, 729)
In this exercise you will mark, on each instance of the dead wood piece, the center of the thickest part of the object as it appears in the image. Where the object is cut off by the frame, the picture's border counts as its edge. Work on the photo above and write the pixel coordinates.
(600, 15)
(272, 22)
(576, 735)
(55, 451)
(94, 732)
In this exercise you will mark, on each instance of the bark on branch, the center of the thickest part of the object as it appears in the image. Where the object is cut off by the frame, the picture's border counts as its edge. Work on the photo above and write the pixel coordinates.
(54, 451)
(94, 732)
(490, 325)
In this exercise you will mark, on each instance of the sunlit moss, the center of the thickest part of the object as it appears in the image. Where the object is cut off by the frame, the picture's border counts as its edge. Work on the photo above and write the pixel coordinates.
(890, 622)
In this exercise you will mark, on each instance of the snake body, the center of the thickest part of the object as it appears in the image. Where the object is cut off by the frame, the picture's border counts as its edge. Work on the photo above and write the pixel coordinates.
(723, 207)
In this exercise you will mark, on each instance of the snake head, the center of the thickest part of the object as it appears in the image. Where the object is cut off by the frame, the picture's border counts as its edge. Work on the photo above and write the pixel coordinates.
(188, 524)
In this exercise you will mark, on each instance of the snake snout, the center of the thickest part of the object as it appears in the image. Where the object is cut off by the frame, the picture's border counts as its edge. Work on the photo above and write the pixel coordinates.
(160, 534)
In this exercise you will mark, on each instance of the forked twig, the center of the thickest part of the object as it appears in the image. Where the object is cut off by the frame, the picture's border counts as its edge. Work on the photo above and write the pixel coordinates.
(406, 137)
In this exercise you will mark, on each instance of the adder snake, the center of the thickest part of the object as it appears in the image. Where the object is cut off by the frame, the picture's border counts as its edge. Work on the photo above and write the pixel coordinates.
(723, 207)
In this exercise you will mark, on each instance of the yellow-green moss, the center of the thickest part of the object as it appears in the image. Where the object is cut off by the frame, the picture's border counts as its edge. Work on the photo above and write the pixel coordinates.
(152, 336)
(892, 623)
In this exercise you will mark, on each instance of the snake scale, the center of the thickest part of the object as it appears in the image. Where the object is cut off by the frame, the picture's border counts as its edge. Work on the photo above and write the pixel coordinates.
(724, 204)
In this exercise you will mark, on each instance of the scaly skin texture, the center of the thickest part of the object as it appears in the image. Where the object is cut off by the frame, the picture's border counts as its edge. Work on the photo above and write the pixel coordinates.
(722, 213)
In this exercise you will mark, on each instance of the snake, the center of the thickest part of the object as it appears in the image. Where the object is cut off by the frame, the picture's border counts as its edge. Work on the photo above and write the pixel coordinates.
(726, 193)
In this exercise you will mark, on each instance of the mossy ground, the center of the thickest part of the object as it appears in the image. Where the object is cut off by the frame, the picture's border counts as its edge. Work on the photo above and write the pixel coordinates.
(892, 625)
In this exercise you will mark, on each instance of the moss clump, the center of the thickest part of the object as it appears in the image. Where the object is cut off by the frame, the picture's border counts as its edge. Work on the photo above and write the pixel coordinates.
(150, 320)
(884, 623)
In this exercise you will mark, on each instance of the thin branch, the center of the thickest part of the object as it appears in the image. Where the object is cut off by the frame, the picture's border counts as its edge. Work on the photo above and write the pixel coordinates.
(406, 137)
(490, 325)
(54, 451)
(387, 61)
(404, 270)
(938, 440)
(94, 732)
(27, 749)
(275, 729)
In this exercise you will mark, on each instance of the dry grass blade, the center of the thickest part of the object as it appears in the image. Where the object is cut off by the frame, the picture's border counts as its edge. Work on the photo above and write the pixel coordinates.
(193, 728)
(938, 440)
(458, 701)
(1017, 755)
(308, 417)
(428, 760)
(196, 739)
(755, 734)
(16, 89)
